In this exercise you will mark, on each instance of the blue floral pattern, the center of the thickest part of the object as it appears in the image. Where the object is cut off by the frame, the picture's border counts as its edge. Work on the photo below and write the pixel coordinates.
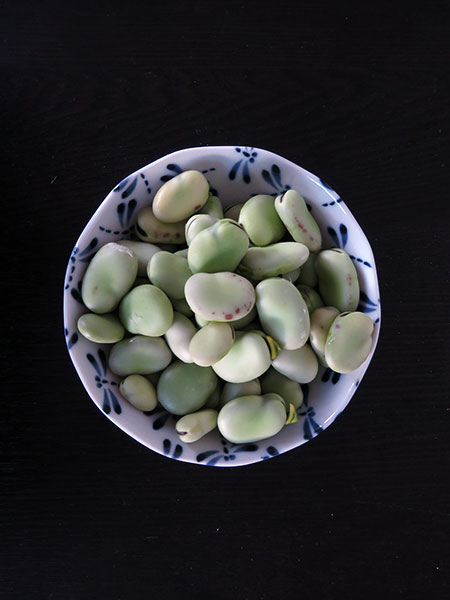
(100, 366)
(71, 339)
(229, 452)
(77, 256)
(271, 453)
(124, 211)
(329, 375)
(366, 304)
(173, 169)
(248, 157)
(273, 178)
(340, 240)
(310, 427)
(177, 450)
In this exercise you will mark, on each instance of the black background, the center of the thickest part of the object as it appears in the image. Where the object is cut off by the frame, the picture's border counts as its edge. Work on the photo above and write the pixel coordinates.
(356, 93)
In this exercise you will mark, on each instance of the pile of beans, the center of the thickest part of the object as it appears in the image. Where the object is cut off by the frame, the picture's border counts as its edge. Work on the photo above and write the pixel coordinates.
(226, 314)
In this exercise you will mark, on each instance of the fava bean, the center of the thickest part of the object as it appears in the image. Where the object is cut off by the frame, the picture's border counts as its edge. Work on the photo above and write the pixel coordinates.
(308, 275)
(219, 296)
(213, 207)
(233, 211)
(300, 365)
(239, 324)
(179, 336)
(182, 307)
(169, 247)
(220, 247)
(191, 428)
(108, 277)
(260, 220)
(140, 281)
(146, 310)
(139, 392)
(348, 342)
(144, 251)
(102, 329)
(252, 418)
(140, 354)
(338, 280)
(292, 276)
(183, 252)
(214, 400)
(311, 297)
(196, 224)
(235, 390)
(180, 197)
(292, 210)
(290, 391)
(269, 261)
(184, 388)
(282, 312)
(201, 322)
(248, 358)
(169, 272)
(321, 321)
(211, 343)
(150, 229)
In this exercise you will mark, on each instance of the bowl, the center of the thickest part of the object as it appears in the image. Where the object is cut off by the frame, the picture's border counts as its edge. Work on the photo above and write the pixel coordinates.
(235, 173)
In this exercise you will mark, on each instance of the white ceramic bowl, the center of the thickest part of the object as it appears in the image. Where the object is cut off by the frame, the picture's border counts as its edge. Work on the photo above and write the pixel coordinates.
(235, 173)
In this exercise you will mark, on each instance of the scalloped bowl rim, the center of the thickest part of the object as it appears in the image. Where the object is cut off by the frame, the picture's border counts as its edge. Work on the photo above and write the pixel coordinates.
(224, 454)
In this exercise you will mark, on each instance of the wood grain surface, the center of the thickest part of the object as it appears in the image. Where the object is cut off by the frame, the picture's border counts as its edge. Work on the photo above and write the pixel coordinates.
(356, 93)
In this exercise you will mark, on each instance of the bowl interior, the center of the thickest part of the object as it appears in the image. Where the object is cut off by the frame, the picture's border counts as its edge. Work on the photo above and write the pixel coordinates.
(235, 174)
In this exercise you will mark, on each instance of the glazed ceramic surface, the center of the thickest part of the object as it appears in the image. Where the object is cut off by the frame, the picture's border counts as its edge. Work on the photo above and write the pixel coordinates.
(235, 173)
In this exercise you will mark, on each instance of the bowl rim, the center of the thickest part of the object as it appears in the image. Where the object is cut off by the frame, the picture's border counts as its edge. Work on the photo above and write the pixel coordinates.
(91, 224)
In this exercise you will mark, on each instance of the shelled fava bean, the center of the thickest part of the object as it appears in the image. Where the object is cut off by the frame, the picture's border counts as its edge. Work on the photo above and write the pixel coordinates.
(234, 320)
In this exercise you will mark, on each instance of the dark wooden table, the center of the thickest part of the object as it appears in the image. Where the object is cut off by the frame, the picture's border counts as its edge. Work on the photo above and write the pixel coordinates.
(355, 92)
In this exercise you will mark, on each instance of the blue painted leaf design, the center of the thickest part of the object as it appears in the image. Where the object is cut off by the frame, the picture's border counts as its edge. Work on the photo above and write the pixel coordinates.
(204, 455)
(106, 405)
(174, 167)
(130, 189)
(214, 460)
(307, 430)
(178, 451)
(245, 173)
(72, 340)
(246, 448)
(277, 174)
(131, 207)
(272, 451)
(326, 375)
(160, 421)
(335, 377)
(343, 230)
(268, 178)
(234, 170)
(121, 185)
(115, 403)
(365, 304)
(333, 236)
(92, 244)
(120, 211)
(91, 358)
(176, 171)
(166, 446)
(102, 357)
(317, 428)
